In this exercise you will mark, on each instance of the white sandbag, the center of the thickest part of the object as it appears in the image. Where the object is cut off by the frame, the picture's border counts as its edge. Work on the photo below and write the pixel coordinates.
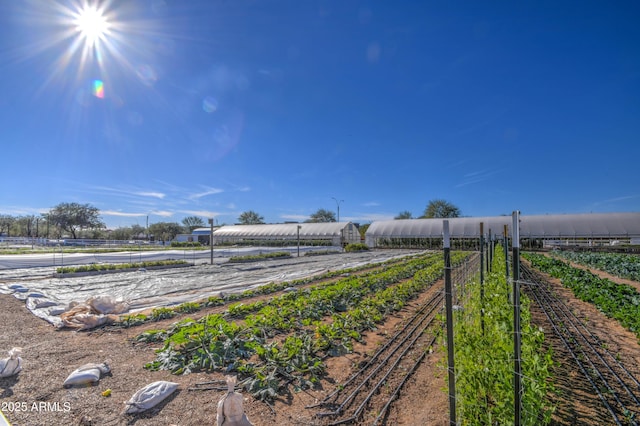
(230, 408)
(12, 365)
(86, 374)
(149, 396)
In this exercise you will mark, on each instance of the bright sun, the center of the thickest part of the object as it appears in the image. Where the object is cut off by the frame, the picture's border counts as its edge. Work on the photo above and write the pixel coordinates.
(92, 24)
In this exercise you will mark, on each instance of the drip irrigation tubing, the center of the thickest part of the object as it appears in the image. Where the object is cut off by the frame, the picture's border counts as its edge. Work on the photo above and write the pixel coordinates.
(377, 370)
(597, 364)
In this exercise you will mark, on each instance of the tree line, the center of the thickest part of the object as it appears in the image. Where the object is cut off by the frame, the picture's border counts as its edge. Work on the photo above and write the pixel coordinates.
(74, 220)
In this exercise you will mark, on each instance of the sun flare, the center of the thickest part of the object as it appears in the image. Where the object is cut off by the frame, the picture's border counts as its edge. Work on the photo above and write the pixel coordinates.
(92, 24)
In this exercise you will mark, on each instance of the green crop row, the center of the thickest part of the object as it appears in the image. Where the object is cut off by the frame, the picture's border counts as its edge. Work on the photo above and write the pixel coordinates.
(261, 256)
(308, 331)
(618, 301)
(619, 264)
(96, 267)
(484, 356)
(327, 298)
(131, 320)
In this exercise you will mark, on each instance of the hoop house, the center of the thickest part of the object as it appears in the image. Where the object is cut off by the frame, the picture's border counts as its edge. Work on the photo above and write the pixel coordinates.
(326, 233)
(561, 229)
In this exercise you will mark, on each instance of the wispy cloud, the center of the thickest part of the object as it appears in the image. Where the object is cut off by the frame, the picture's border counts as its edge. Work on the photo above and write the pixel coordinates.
(297, 217)
(203, 213)
(615, 200)
(367, 217)
(371, 204)
(162, 213)
(128, 192)
(18, 211)
(477, 177)
(207, 191)
(159, 195)
(120, 214)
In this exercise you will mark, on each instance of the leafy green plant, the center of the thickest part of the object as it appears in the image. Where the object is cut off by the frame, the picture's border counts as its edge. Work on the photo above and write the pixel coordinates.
(262, 256)
(132, 320)
(188, 307)
(290, 334)
(619, 264)
(158, 314)
(356, 247)
(98, 267)
(618, 301)
(484, 356)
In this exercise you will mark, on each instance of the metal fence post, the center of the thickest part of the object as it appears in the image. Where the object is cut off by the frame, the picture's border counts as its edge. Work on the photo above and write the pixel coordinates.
(482, 277)
(517, 374)
(448, 293)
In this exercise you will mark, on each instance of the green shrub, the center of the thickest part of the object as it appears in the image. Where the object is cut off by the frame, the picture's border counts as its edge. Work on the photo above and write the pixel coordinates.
(262, 256)
(186, 244)
(356, 247)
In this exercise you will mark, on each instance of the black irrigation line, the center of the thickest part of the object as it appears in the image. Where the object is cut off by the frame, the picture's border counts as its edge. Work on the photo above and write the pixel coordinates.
(404, 339)
(552, 306)
(575, 320)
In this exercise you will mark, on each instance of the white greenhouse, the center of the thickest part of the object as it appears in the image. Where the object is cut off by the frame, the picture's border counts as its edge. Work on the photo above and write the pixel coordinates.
(286, 234)
(570, 229)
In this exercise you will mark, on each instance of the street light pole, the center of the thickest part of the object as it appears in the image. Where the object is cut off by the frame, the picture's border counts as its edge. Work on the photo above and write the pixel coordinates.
(338, 204)
(211, 239)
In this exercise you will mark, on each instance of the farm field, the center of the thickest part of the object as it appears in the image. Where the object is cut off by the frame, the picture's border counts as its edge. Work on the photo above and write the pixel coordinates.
(50, 355)
(146, 289)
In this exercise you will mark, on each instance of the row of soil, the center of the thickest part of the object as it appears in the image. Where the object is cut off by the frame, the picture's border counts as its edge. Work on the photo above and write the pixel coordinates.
(596, 358)
(49, 355)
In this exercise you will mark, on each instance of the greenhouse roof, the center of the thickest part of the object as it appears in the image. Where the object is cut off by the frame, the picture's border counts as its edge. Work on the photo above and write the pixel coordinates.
(593, 225)
(327, 229)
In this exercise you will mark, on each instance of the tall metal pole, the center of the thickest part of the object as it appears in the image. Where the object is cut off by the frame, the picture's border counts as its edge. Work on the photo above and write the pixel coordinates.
(505, 247)
(517, 374)
(482, 277)
(211, 239)
(490, 253)
(338, 205)
(448, 293)
(299, 226)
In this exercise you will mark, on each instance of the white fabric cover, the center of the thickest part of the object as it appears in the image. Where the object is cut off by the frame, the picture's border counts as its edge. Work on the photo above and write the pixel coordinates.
(86, 374)
(12, 365)
(149, 396)
(93, 312)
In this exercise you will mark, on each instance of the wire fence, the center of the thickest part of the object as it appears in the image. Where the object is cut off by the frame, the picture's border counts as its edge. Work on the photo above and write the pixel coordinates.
(485, 360)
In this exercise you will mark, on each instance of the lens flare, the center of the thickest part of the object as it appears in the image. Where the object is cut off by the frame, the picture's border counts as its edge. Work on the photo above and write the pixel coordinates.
(98, 89)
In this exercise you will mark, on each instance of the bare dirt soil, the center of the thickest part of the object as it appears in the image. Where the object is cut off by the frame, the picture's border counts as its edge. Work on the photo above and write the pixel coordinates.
(36, 396)
(576, 401)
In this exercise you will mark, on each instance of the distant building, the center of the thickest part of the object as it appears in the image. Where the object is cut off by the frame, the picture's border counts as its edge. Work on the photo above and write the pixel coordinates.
(283, 234)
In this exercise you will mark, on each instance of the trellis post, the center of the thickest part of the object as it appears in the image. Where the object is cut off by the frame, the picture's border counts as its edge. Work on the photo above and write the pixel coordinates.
(448, 293)
(517, 374)
(482, 277)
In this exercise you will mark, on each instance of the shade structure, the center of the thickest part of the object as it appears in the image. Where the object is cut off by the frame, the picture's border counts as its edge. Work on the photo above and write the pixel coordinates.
(336, 233)
(592, 225)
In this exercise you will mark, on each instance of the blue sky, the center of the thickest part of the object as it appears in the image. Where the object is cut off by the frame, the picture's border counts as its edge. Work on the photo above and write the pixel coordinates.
(212, 108)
